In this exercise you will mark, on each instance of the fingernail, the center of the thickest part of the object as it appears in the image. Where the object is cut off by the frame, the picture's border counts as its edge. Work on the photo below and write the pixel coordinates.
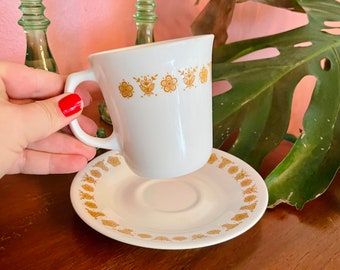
(70, 104)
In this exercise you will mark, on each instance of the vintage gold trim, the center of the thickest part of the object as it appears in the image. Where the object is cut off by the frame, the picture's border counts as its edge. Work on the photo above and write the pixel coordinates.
(151, 84)
(247, 185)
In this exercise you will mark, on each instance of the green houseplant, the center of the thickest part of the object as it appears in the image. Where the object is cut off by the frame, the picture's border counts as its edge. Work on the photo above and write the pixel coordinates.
(258, 106)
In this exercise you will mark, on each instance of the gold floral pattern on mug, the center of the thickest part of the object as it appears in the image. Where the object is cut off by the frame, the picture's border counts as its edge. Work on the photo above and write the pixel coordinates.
(125, 89)
(147, 84)
(203, 75)
(169, 83)
(189, 76)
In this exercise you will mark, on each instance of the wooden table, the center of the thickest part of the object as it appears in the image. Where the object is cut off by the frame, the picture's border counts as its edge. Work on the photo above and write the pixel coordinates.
(40, 230)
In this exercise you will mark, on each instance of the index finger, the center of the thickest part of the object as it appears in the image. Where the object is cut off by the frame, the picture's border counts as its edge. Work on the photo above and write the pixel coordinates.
(23, 82)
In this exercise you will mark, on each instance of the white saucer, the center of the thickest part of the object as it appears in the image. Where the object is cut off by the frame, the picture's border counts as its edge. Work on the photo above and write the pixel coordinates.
(212, 205)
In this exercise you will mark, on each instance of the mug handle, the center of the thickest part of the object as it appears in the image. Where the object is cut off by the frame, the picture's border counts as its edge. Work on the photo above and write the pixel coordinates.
(111, 142)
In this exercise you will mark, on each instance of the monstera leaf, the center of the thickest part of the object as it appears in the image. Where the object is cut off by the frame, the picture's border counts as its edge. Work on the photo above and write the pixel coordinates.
(257, 108)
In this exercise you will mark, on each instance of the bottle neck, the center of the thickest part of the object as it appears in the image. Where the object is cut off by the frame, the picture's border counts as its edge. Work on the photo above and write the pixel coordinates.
(145, 33)
(145, 18)
(34, 23)
(38, 54)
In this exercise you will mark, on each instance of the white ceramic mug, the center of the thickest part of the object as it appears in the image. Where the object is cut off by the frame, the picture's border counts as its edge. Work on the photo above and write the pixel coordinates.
(159, 99)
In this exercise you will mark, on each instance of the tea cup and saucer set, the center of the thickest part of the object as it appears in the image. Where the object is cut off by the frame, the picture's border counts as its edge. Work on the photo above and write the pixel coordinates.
(161, 184)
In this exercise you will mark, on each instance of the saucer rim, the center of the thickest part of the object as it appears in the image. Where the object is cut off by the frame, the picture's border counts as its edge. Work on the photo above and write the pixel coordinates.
(249, 222)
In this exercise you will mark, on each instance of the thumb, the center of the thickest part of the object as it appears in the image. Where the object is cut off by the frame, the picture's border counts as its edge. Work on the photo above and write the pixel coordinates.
(44, 117)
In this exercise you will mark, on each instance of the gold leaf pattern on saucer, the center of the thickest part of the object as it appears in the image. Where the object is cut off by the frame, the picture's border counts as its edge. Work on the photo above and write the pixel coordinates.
(224, 162)
(109, 223)
(88, 187)
(145, 235)
(198, 236)
(230, 226)
(101, 165)
(95, 214)
(86, 196)
(91, 204)
(89, 179)
(214, 232)
(96, 173)
(162, 238)
(179, 238)
(239, 175)
(113, 161)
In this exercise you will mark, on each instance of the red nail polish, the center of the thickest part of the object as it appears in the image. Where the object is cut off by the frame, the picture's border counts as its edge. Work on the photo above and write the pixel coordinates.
(70, 104)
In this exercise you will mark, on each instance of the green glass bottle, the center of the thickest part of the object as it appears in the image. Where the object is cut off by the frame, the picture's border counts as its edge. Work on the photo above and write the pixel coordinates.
(145, 18)
(34, 23)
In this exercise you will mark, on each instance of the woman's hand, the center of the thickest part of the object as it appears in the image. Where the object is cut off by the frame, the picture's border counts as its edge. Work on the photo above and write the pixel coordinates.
(33, 109)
